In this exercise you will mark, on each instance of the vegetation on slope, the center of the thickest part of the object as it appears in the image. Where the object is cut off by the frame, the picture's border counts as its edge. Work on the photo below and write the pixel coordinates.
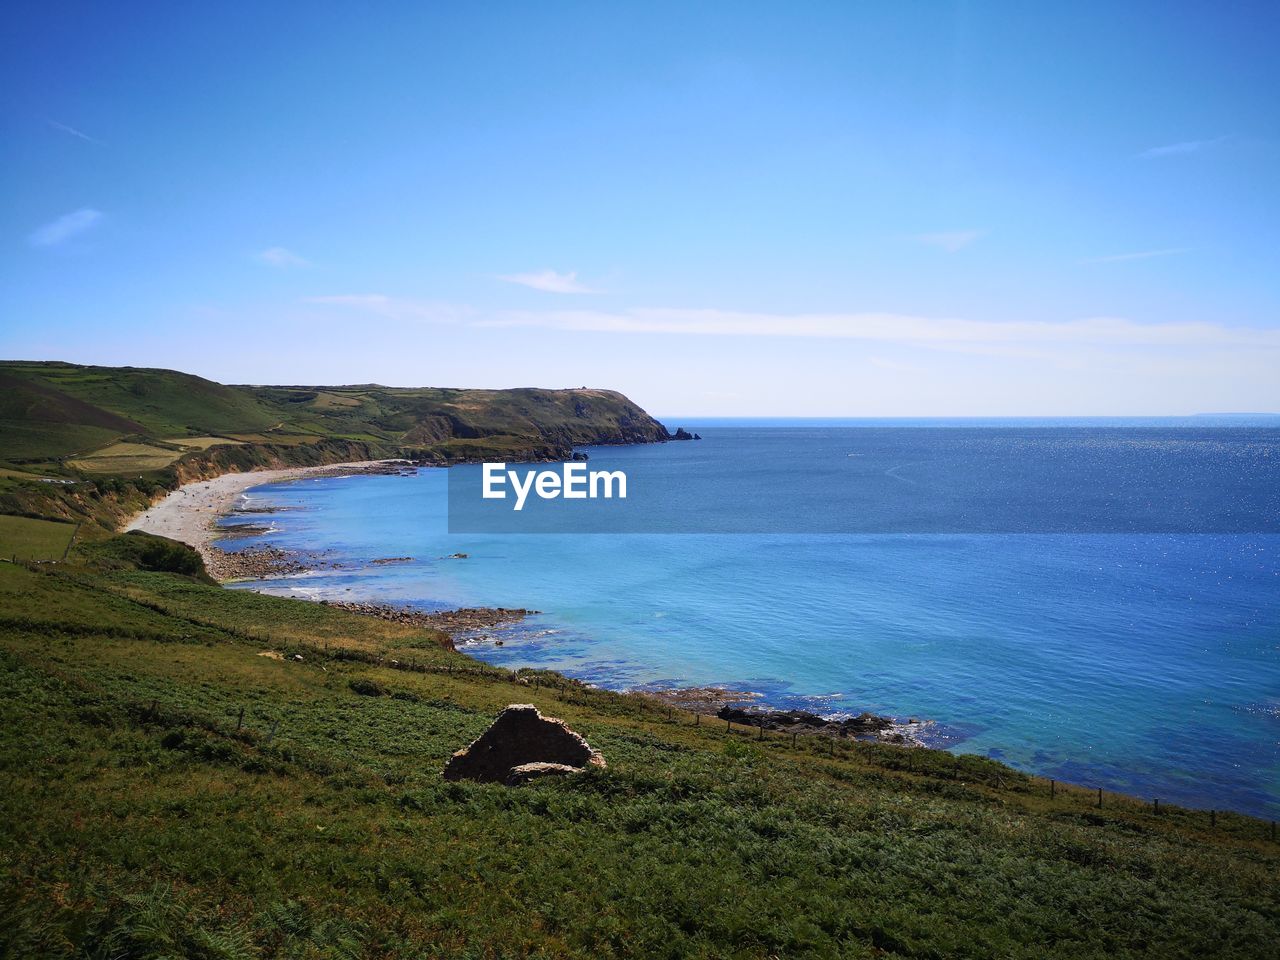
(171, 791)
(112, 437)
(26, 538)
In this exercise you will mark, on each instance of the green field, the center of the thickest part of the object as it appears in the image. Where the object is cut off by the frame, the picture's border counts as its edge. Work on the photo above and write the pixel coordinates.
(125, 458)
(145, 816)
(29, 539)
(200, 443)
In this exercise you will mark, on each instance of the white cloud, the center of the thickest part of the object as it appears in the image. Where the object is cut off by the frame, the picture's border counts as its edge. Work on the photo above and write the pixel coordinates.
(281, 258)
(395, 308)
(1178, 149)
(894, 328)
(73, 132)
(69, 225)
(548, 281)
(1140, 255)
(951, 241)
(895, 366)
(1011, 338)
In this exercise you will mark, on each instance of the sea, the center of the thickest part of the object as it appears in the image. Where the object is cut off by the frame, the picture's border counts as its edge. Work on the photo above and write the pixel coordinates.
(1094, 600)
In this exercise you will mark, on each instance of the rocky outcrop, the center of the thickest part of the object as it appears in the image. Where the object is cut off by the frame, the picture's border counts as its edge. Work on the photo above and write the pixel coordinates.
(257, 563)
(522, 745)
(865, 726)
(528, 772)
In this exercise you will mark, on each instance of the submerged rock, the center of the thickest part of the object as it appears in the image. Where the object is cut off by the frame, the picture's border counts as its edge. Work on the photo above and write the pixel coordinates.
(522, 745)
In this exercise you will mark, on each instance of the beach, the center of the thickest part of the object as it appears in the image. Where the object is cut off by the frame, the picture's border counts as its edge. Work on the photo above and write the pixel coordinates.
(190, 513)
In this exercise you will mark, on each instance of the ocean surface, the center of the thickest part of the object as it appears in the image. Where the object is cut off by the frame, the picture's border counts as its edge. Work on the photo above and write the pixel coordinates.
(1049, 631)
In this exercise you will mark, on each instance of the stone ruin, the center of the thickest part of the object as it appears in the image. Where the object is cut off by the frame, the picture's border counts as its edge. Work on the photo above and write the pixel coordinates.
(520, 746)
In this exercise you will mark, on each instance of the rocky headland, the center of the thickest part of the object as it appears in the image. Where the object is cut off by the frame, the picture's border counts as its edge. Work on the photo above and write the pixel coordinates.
(738, 707)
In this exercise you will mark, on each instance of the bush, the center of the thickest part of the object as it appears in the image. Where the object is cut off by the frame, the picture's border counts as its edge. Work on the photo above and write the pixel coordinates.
(144, 551)
(366, 687)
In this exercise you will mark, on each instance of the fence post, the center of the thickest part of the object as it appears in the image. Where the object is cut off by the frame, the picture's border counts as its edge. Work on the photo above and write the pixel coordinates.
(697, 719)
(1213, 818)
(793, 739)
(1053, 788)
(240, 719)
(1157, 806)
(1099, 798)
(71, 541)
(728, 726)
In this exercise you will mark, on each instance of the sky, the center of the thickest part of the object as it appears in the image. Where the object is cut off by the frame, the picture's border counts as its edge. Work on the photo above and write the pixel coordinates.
(788, 209)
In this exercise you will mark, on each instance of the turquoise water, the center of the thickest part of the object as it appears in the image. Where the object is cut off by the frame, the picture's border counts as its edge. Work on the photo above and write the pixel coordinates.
(1143, 661)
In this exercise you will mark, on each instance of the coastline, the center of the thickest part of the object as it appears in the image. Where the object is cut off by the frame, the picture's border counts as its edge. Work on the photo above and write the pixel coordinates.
(190, 513)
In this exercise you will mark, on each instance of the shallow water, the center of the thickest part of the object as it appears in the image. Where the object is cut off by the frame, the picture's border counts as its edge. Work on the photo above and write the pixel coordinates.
(1138, 661)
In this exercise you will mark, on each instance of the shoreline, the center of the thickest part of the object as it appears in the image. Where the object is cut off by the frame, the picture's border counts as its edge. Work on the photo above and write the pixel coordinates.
(743, 708)
(190, 515)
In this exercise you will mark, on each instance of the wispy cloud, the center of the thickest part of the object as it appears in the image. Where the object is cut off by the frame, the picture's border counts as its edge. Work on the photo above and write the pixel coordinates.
(1178, 149)
(895, 366)
(935, 332)
(548, 281)
(66, 227)
(395, 308)
(72, 132)
(951, 241)
(281, 258)
(893, 328)
(1139, 255)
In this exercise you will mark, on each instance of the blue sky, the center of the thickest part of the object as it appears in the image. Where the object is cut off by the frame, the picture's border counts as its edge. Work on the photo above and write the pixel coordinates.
(793, 209)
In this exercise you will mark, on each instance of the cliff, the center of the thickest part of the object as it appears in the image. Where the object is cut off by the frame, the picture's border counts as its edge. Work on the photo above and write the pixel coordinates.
(88, 442)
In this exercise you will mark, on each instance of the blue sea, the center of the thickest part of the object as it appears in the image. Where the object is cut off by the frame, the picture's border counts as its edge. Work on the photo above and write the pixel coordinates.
(1092, 600)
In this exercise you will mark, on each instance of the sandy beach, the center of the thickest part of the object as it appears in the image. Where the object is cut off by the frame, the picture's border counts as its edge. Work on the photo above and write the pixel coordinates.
(190, 512)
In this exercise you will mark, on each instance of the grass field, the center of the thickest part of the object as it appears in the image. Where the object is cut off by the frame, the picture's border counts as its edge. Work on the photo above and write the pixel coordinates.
(19, 474)
(146, 815)
(200, 443)
(327, 400)
(125, 458)
(29, 539)
(280, 439)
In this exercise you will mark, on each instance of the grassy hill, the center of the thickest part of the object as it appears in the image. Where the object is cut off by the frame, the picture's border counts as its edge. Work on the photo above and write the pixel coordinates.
(197, 772)
(120, 434)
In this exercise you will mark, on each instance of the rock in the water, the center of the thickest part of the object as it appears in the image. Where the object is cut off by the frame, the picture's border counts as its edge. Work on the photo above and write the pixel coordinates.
(522, 745)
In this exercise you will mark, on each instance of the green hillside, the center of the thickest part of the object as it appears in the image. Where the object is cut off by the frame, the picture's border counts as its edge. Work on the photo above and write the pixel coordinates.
(197, 772)
(159, 403)
(120, 434)
(144, 815)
